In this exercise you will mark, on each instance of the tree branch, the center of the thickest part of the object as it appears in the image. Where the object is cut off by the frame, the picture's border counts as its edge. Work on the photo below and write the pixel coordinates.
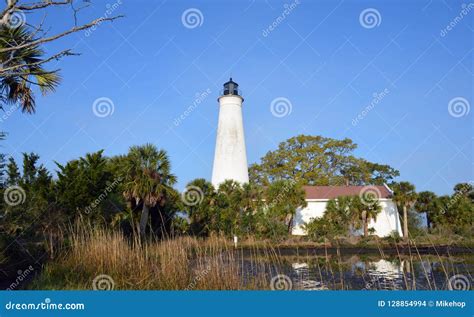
(68, 52)
(41, 5)
(57, 36)
(8, 9)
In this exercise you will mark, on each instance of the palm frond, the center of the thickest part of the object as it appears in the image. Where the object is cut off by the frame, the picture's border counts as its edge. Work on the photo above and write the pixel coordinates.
(22, 69)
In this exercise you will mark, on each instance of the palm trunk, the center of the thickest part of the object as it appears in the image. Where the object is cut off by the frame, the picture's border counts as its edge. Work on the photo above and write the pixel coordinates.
(132, 221)
(405, 222)
(290, 224)
(144, 220)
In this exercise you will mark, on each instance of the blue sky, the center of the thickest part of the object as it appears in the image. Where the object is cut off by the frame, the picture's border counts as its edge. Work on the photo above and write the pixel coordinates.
(326, 61)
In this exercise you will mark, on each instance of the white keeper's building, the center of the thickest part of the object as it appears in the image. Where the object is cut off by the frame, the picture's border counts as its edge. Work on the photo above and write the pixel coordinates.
(317, 197)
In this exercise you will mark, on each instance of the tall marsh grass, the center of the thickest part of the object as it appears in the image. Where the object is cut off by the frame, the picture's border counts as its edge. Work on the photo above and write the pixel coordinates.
(177, 264)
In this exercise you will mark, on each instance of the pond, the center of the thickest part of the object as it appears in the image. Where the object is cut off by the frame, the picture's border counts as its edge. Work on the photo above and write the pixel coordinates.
(369, 272)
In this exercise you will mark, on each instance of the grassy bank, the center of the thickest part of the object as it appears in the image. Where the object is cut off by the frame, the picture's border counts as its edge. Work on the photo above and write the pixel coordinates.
(437, 242)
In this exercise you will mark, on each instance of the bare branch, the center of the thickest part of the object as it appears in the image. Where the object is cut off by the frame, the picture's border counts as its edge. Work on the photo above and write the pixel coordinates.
(12, 7)
(22, 74)
(41, 5)
(57, 36)
(8, 9)
(37, 29)
(32, 82)
(76, 10)
(6, 71)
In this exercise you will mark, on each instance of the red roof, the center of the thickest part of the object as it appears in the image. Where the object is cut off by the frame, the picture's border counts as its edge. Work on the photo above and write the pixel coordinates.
(330, 192)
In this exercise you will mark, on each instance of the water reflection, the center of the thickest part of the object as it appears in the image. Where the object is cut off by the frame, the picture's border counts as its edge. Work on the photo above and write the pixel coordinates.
(371, 272)
(384, 275)
(304, 282)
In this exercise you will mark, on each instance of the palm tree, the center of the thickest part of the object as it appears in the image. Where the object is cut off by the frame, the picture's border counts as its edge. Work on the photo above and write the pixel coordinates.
(148, 179)
(251, 203)
(228, 203)
(372, 210)
(23, 68)
(355, 214)
(364, 210)
(426, 202)
(283, 197)
(405, 197)
(338, 213)
(198, 202)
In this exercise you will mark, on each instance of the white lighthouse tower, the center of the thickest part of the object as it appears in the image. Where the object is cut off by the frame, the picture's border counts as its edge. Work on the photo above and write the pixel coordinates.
(230, 158)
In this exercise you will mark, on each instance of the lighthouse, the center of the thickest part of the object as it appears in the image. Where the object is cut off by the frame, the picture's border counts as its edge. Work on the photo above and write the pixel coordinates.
(230, 157)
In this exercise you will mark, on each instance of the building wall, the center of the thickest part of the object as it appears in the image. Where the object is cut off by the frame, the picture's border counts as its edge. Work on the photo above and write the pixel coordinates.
(387, 221)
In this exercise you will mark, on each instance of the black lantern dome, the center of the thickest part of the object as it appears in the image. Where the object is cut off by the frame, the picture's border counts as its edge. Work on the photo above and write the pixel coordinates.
(231, 88)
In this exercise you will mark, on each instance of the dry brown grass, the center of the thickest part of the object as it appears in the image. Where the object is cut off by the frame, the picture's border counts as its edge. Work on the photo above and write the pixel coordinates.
(181, 263)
